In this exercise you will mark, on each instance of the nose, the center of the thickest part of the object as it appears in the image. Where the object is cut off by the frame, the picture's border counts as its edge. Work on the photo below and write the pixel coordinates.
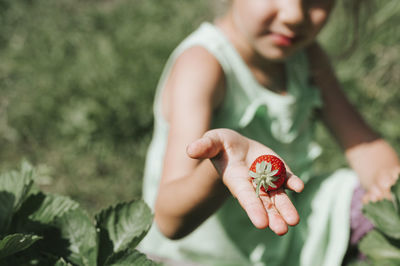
(291, 12)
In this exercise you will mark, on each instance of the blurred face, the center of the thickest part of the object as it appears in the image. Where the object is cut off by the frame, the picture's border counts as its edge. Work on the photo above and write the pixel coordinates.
(275, 29)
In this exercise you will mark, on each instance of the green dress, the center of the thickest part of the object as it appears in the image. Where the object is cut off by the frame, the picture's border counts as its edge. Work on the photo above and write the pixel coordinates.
(284, 123)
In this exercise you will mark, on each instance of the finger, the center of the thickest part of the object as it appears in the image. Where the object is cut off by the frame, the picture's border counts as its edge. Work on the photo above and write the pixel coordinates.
(383, 192)
(242, 189)
(294, 183)
(209, 146)
(387, 182)
(371, 195)
(285, 207)
(276, 223)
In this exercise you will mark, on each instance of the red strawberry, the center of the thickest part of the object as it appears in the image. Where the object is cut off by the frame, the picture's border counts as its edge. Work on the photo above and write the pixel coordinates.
(268, 173)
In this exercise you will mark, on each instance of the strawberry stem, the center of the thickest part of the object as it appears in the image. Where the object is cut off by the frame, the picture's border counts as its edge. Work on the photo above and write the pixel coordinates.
(264, 176)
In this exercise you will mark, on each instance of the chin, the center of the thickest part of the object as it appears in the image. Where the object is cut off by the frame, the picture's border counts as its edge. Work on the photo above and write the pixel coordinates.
(280, 53)
(277, 55)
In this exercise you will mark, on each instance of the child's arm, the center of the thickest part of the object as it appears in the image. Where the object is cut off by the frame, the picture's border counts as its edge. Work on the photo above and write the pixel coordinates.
(373, 159)
(191, 190)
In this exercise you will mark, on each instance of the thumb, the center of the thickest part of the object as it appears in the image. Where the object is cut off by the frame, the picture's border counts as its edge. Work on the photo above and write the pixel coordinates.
(209, 146)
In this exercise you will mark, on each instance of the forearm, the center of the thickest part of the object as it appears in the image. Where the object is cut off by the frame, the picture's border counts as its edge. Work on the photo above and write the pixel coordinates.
(184, 203)
(369, 155)
(371, 160)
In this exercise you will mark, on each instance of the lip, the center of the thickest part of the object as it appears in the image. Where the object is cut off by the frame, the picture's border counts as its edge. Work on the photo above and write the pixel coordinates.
(281, 40)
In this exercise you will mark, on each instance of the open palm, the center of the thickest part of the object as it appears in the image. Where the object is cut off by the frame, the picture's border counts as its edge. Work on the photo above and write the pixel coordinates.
(232, 154)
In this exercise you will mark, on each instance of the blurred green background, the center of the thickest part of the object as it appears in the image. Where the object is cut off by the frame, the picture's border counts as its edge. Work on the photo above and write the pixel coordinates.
(77, 80)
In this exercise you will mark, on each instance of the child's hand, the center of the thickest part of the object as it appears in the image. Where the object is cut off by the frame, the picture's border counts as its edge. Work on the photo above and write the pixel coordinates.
(232, 154)
(381, 186)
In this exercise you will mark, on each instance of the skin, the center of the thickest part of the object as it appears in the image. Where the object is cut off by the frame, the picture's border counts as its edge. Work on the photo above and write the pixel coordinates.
(192, 187)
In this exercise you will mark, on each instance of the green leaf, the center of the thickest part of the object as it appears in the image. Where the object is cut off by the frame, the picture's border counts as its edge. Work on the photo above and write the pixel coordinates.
(384, 216)
(124, 225)
(14, 189)
(18, 183)
(12, 244)
(396, 194)
(77, 228)
(53, 206)
(129, 257)
(6, 211)
(379, 249)
(62, 262)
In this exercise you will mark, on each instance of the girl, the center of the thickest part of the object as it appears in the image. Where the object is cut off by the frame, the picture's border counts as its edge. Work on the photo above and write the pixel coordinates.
(249, 84)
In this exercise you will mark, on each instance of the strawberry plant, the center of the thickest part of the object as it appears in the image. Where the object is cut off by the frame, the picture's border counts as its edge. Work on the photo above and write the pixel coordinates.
(382, 245)
(47, 229)
(268, 173)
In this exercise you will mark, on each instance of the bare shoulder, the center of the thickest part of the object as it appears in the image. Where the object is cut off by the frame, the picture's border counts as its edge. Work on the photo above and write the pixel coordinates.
(198, 56)
(195, 76)
(199, 67)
